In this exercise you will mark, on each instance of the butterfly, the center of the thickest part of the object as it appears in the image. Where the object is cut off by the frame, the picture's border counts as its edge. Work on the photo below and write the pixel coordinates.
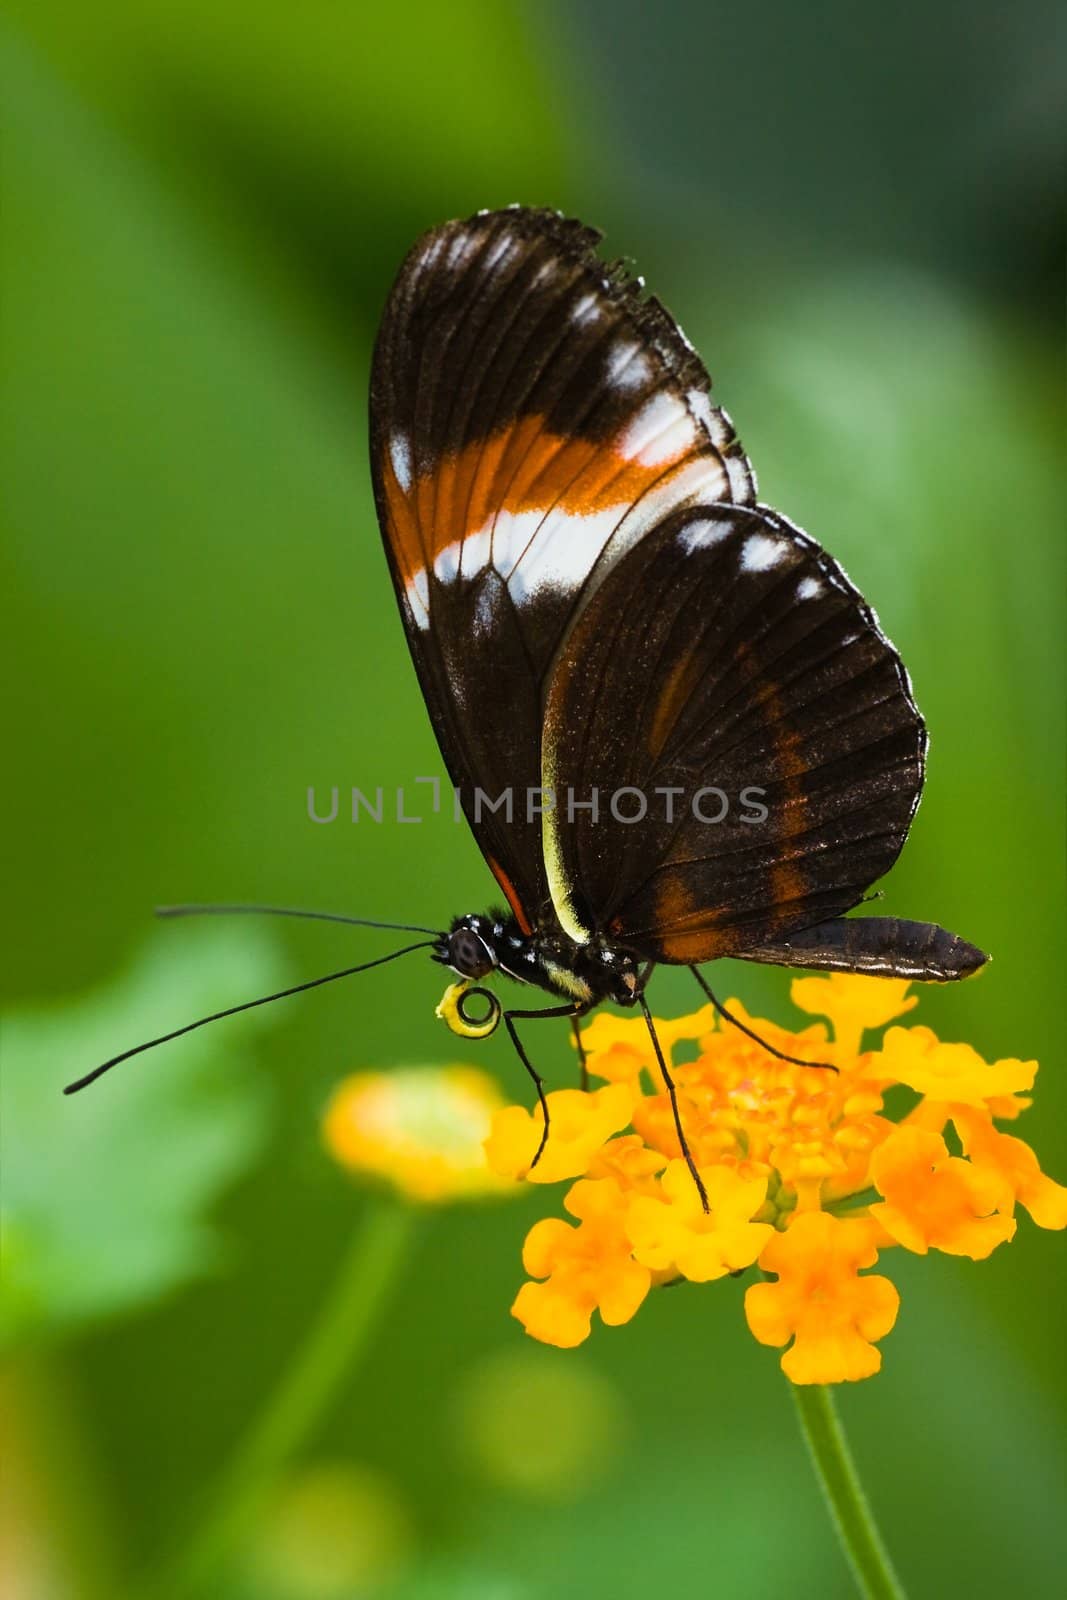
(598, 606)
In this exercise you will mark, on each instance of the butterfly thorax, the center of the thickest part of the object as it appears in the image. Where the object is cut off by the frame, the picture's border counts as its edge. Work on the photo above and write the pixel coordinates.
(477, 945)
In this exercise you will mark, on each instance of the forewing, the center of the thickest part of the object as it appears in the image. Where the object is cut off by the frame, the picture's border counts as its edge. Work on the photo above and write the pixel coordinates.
(532, 417)
(727, 651)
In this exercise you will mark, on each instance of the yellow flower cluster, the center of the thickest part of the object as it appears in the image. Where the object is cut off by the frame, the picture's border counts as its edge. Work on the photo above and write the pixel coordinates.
(807, 1177)
(421, 1130)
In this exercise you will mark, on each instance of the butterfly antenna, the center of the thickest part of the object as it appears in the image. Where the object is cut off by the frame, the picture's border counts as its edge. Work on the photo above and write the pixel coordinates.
(248, 1005)
(728, 1016)
(287, 911)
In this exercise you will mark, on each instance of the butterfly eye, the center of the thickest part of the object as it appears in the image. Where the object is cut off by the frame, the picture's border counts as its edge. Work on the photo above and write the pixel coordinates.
(469, 955)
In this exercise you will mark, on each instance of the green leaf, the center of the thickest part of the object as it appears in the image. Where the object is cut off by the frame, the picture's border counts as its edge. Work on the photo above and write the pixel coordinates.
(106, 1193)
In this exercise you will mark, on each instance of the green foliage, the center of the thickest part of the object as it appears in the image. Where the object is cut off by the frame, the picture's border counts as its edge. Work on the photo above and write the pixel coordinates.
(203, 208)
(107, 1194)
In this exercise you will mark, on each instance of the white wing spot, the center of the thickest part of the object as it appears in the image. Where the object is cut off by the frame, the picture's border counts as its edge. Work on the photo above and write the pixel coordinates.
(740, 478)
(474, 552)
(400, 456)
(808, 588)
(709, 417)
(510, 532)
(499, 253)
(760, 552)
(560, 555)
(447, 564)
(457, 249)
(418, 593)
(586, 310)
(628, 367)
(660, 432)
(701, 535)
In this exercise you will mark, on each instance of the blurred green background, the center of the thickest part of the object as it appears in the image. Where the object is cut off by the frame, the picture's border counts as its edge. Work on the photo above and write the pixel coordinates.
(855, 214)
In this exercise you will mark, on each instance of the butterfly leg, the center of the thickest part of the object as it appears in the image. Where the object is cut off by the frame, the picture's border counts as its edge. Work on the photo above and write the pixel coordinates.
(583, 1064)
(571, 1011)
(728, 1016)
(672, 1091)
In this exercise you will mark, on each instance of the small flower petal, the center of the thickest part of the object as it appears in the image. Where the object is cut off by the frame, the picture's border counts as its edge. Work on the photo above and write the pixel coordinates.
(579, 1125)
(544, 1244)
(552, 1315)
(810, 1045)
(853, 1003)
(588, 1268)
(1015, 1164)
(620, 1048)
(947, 1072)
(820, 1301)
(937, 1200)
(630, 1161)
(674, 1231)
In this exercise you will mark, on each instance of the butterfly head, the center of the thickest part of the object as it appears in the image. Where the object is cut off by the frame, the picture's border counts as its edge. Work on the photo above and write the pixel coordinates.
(470, 946)
(477, 945)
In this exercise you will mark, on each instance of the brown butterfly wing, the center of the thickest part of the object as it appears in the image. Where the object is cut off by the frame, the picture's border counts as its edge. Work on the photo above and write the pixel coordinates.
(726, 651)
(532, 418)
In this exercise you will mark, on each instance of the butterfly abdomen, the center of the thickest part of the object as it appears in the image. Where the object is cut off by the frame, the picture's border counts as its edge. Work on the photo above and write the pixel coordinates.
(881, 946)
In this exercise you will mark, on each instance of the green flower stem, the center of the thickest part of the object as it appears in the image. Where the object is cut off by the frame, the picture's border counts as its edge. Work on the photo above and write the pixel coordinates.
(337, 1339)
(836, 1471)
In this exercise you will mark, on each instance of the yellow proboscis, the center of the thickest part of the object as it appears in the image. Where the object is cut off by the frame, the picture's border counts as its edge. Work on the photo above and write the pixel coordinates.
(451, 1011)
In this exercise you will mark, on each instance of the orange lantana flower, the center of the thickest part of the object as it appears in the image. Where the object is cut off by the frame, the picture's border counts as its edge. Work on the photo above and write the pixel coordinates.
(588, 1268)
(807, 1177)
(581, 1124)
(419, 1130)
(673, 1233)
(820, 1301)
(936, 1199)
